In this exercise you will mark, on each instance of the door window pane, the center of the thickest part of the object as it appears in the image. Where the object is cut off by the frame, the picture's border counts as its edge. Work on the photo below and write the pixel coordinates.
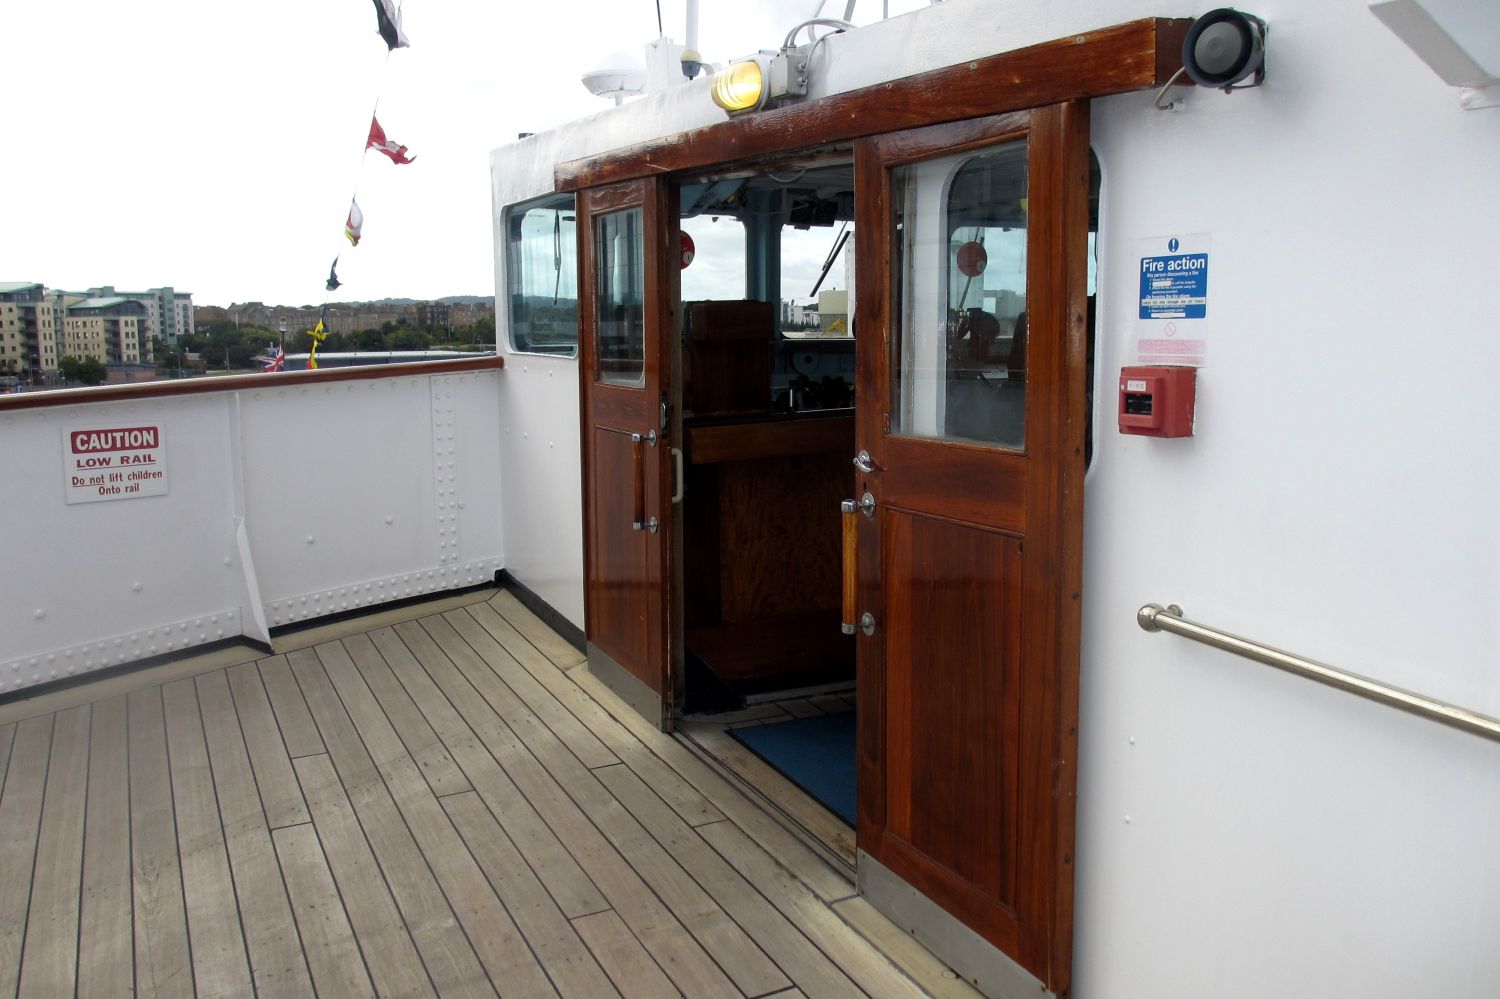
(960, 240)
(620, 318)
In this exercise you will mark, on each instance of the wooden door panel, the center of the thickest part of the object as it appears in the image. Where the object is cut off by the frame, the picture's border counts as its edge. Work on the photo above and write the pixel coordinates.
(626, 235)
(620, 578)
(964, 482)
(972, 564)
(954, 618)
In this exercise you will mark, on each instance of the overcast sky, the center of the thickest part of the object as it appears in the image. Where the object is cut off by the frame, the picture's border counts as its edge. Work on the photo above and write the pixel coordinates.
(214, 146)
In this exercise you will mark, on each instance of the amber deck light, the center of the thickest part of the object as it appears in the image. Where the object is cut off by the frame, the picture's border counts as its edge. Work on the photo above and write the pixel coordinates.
(740, 86)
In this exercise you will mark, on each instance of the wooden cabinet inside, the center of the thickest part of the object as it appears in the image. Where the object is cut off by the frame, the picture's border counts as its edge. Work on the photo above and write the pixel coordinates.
(727, 360)
(761, 544)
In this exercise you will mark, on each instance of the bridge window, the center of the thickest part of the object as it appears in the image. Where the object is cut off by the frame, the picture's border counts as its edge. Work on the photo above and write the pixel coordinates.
(541, 276)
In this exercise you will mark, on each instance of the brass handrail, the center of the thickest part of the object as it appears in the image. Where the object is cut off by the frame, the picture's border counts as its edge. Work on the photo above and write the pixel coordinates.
(1155, 617)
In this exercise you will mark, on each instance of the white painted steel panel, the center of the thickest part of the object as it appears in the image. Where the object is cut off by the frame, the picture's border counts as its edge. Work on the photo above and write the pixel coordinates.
(76, 576)
(543, 485)
(396, 481)
(1243, 832)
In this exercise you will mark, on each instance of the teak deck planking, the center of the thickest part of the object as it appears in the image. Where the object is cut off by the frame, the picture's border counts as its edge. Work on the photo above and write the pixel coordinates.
(446, 806)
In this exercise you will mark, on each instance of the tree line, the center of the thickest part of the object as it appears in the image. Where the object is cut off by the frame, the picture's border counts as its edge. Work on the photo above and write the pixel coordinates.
(223, 345)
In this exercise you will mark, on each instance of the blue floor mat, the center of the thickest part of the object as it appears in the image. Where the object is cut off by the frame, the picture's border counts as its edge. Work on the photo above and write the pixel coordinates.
(816, 754)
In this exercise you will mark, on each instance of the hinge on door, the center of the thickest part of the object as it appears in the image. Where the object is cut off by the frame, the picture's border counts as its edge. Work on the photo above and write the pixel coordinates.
(666, 415)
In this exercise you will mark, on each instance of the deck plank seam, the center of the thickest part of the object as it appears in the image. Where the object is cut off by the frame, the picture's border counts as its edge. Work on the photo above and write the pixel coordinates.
(8, 736)
(623, 734)
(531, 947)
(406, 747)
(88, 778)
(402, 812)
(379, 869)
(343, 907)
(360, 819)
(35, 847)
(540, 690)
(612, 846)
(639, 942)
(176, 836)
(604, 790)
(129, 887)
(187, 937)
(530, 708)
(239, 919)
(484, 747)
(280, 736)
(41, 823)
(484, 744)
(239, 730)
(754, 939)
(481, 746)
(385, 879)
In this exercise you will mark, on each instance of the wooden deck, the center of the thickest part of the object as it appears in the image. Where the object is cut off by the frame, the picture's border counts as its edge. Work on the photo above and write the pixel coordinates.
(435, 801)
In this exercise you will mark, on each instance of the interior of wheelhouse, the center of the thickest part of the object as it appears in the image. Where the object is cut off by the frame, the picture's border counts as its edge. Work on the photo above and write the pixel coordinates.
(767, 383)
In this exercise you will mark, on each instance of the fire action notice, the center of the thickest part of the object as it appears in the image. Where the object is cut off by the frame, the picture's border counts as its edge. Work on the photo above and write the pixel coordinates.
(1172, 325)
(112, 463)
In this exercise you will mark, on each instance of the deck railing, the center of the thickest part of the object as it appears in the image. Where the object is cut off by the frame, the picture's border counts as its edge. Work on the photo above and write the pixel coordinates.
(250, 502)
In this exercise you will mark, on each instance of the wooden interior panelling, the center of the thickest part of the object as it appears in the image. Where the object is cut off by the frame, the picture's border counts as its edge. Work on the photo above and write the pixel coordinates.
(727, 363)
(741, 441)
(779, 535)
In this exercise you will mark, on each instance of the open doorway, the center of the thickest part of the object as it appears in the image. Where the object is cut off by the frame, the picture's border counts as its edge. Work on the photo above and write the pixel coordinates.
(767, 377)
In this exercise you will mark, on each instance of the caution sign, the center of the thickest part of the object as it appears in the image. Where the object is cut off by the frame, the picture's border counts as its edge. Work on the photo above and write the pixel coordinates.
(110, 463)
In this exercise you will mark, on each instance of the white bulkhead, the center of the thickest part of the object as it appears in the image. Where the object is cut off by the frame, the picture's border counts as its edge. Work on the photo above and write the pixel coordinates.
(1241, 832)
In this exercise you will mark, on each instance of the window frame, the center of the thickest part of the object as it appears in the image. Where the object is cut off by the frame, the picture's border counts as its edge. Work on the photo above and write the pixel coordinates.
(519, 210)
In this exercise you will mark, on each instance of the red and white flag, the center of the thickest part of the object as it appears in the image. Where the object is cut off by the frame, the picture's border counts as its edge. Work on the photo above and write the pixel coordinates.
(377, 140)
(273, 359)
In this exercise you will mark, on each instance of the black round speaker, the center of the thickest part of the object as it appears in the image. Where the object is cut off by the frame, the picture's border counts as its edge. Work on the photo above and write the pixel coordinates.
(1223, 47)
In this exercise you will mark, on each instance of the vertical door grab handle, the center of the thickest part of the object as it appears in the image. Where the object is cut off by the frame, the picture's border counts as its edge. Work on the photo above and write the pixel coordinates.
(638, 465)
(679, 483)
(851, 581)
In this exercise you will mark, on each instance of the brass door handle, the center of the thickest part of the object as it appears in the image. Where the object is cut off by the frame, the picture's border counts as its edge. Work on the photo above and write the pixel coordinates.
(851, 577)
(638, 466)
(849, 508)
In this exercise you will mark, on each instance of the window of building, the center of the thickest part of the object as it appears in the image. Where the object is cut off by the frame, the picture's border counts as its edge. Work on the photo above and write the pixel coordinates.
(541, 272)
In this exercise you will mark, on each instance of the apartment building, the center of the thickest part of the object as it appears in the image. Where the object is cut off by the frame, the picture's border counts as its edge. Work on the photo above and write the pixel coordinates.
(29, 330)
(112, 330)
(169, 313)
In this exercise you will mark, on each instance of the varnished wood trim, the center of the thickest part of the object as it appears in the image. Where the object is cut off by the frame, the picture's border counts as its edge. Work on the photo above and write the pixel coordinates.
(1115, 60)
(241, 383)
(769, 439)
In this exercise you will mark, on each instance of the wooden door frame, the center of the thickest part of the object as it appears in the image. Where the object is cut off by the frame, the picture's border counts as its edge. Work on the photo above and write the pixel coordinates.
(659, 226)
(1056, 300)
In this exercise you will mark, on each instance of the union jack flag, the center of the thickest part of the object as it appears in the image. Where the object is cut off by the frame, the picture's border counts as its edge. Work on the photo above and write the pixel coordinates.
(273, 359)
